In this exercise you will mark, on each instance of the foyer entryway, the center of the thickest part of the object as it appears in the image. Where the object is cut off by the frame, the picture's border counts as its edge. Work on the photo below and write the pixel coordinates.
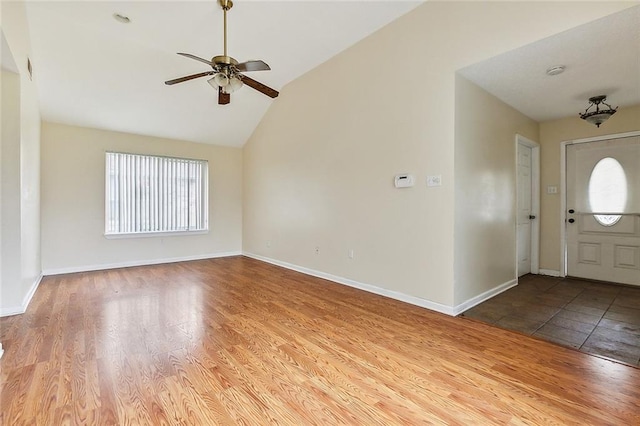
(593, 317)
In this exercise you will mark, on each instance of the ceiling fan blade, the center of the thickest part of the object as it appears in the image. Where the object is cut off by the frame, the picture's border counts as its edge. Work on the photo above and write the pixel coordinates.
(187, 78)
(223, 98)
(206, 61)
(259, 87)
(253, 66)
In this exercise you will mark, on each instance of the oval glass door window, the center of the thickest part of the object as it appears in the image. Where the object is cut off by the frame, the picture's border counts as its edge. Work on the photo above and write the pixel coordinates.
(607, 190)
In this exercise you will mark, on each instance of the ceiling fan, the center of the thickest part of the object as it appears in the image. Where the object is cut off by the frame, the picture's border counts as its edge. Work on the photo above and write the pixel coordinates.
(226, 71)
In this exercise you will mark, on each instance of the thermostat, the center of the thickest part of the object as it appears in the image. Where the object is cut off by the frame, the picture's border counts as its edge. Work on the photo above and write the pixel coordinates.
(404, 180)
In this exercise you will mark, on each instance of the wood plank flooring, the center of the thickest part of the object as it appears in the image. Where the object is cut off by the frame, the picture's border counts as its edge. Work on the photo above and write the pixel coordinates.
(238, 341)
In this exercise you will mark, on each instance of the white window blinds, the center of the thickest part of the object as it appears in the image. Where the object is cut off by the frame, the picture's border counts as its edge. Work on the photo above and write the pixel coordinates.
(147, 193)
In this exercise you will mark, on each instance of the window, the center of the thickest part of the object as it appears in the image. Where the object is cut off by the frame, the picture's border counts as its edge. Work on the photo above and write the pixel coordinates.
(607, 190)
(147, 194)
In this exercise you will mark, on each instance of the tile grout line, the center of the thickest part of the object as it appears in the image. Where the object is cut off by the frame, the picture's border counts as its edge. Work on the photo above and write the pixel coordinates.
(561, 308)
(600, 320)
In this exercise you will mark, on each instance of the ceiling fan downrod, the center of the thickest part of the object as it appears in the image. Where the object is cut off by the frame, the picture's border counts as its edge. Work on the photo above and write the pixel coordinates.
(226, 5)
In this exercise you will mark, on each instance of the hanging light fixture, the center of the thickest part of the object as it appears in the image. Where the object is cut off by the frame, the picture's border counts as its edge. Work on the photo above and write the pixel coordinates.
(234, 84)
(598, 116)
(227, 79)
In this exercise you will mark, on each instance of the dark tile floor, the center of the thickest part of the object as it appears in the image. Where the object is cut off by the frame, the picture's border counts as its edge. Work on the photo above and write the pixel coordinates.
(596, 318)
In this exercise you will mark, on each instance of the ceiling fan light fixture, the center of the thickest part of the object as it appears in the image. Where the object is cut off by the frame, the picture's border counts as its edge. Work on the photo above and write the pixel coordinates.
(598, 116)
(220, 80)
(212, 83)
(234, 84)
(226, 71)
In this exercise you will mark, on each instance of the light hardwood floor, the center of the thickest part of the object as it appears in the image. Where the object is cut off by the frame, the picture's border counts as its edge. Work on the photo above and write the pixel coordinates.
(238, 341)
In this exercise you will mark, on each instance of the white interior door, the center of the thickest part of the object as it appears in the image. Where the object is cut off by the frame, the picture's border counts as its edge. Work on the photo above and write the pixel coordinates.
(525, 206)
(603, 210)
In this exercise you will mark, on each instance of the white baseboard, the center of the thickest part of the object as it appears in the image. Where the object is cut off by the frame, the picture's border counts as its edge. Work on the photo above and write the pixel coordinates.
(362, 286)
(12, 310)
(16, 310)
(549, 272)
(445, 309)
(87, 268)
(484, 296)
(32, 291)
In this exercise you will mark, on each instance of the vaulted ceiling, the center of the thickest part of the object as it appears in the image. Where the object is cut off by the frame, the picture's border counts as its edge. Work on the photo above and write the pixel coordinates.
(94, 71)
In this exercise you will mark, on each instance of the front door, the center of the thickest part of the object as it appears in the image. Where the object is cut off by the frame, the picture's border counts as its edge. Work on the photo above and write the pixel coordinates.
(603, 210)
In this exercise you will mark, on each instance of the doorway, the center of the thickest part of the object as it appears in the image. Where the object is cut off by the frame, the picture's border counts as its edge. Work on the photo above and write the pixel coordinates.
(602, 209)
(528, 206)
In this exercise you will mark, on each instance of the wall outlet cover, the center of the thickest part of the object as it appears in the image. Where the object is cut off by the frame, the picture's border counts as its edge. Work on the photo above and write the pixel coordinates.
(434, 180)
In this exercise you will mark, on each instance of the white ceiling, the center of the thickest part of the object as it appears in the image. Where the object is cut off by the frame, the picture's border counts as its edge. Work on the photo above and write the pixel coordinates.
(94, 71)
(6, 59)
(601, 58)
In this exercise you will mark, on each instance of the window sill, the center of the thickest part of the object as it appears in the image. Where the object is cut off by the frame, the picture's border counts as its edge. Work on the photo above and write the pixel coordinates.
(154, 234)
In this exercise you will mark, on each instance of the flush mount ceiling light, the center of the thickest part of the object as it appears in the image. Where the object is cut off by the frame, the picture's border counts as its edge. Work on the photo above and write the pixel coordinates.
(598, 116)
(121, 18)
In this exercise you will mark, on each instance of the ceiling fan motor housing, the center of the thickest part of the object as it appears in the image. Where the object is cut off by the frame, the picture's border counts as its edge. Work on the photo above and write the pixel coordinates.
(224, 60)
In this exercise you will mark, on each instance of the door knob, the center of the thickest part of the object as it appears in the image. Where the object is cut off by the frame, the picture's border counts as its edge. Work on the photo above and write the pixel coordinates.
(532, 216)
(571, 220)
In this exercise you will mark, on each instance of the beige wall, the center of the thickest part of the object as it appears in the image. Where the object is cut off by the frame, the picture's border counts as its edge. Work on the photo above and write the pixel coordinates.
(319, 167)
(552, 133)
(73, 162)
(10, 244)
(317, 171)
(21, 254)
(485, 189)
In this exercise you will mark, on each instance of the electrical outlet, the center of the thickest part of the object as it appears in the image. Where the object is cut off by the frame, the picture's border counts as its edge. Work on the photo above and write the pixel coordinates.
(350, 253)
(551, 189)
(435, 180)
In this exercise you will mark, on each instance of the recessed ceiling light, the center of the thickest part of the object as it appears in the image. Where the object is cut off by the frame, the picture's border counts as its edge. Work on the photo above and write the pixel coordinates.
(558, 69)
(121, 18)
